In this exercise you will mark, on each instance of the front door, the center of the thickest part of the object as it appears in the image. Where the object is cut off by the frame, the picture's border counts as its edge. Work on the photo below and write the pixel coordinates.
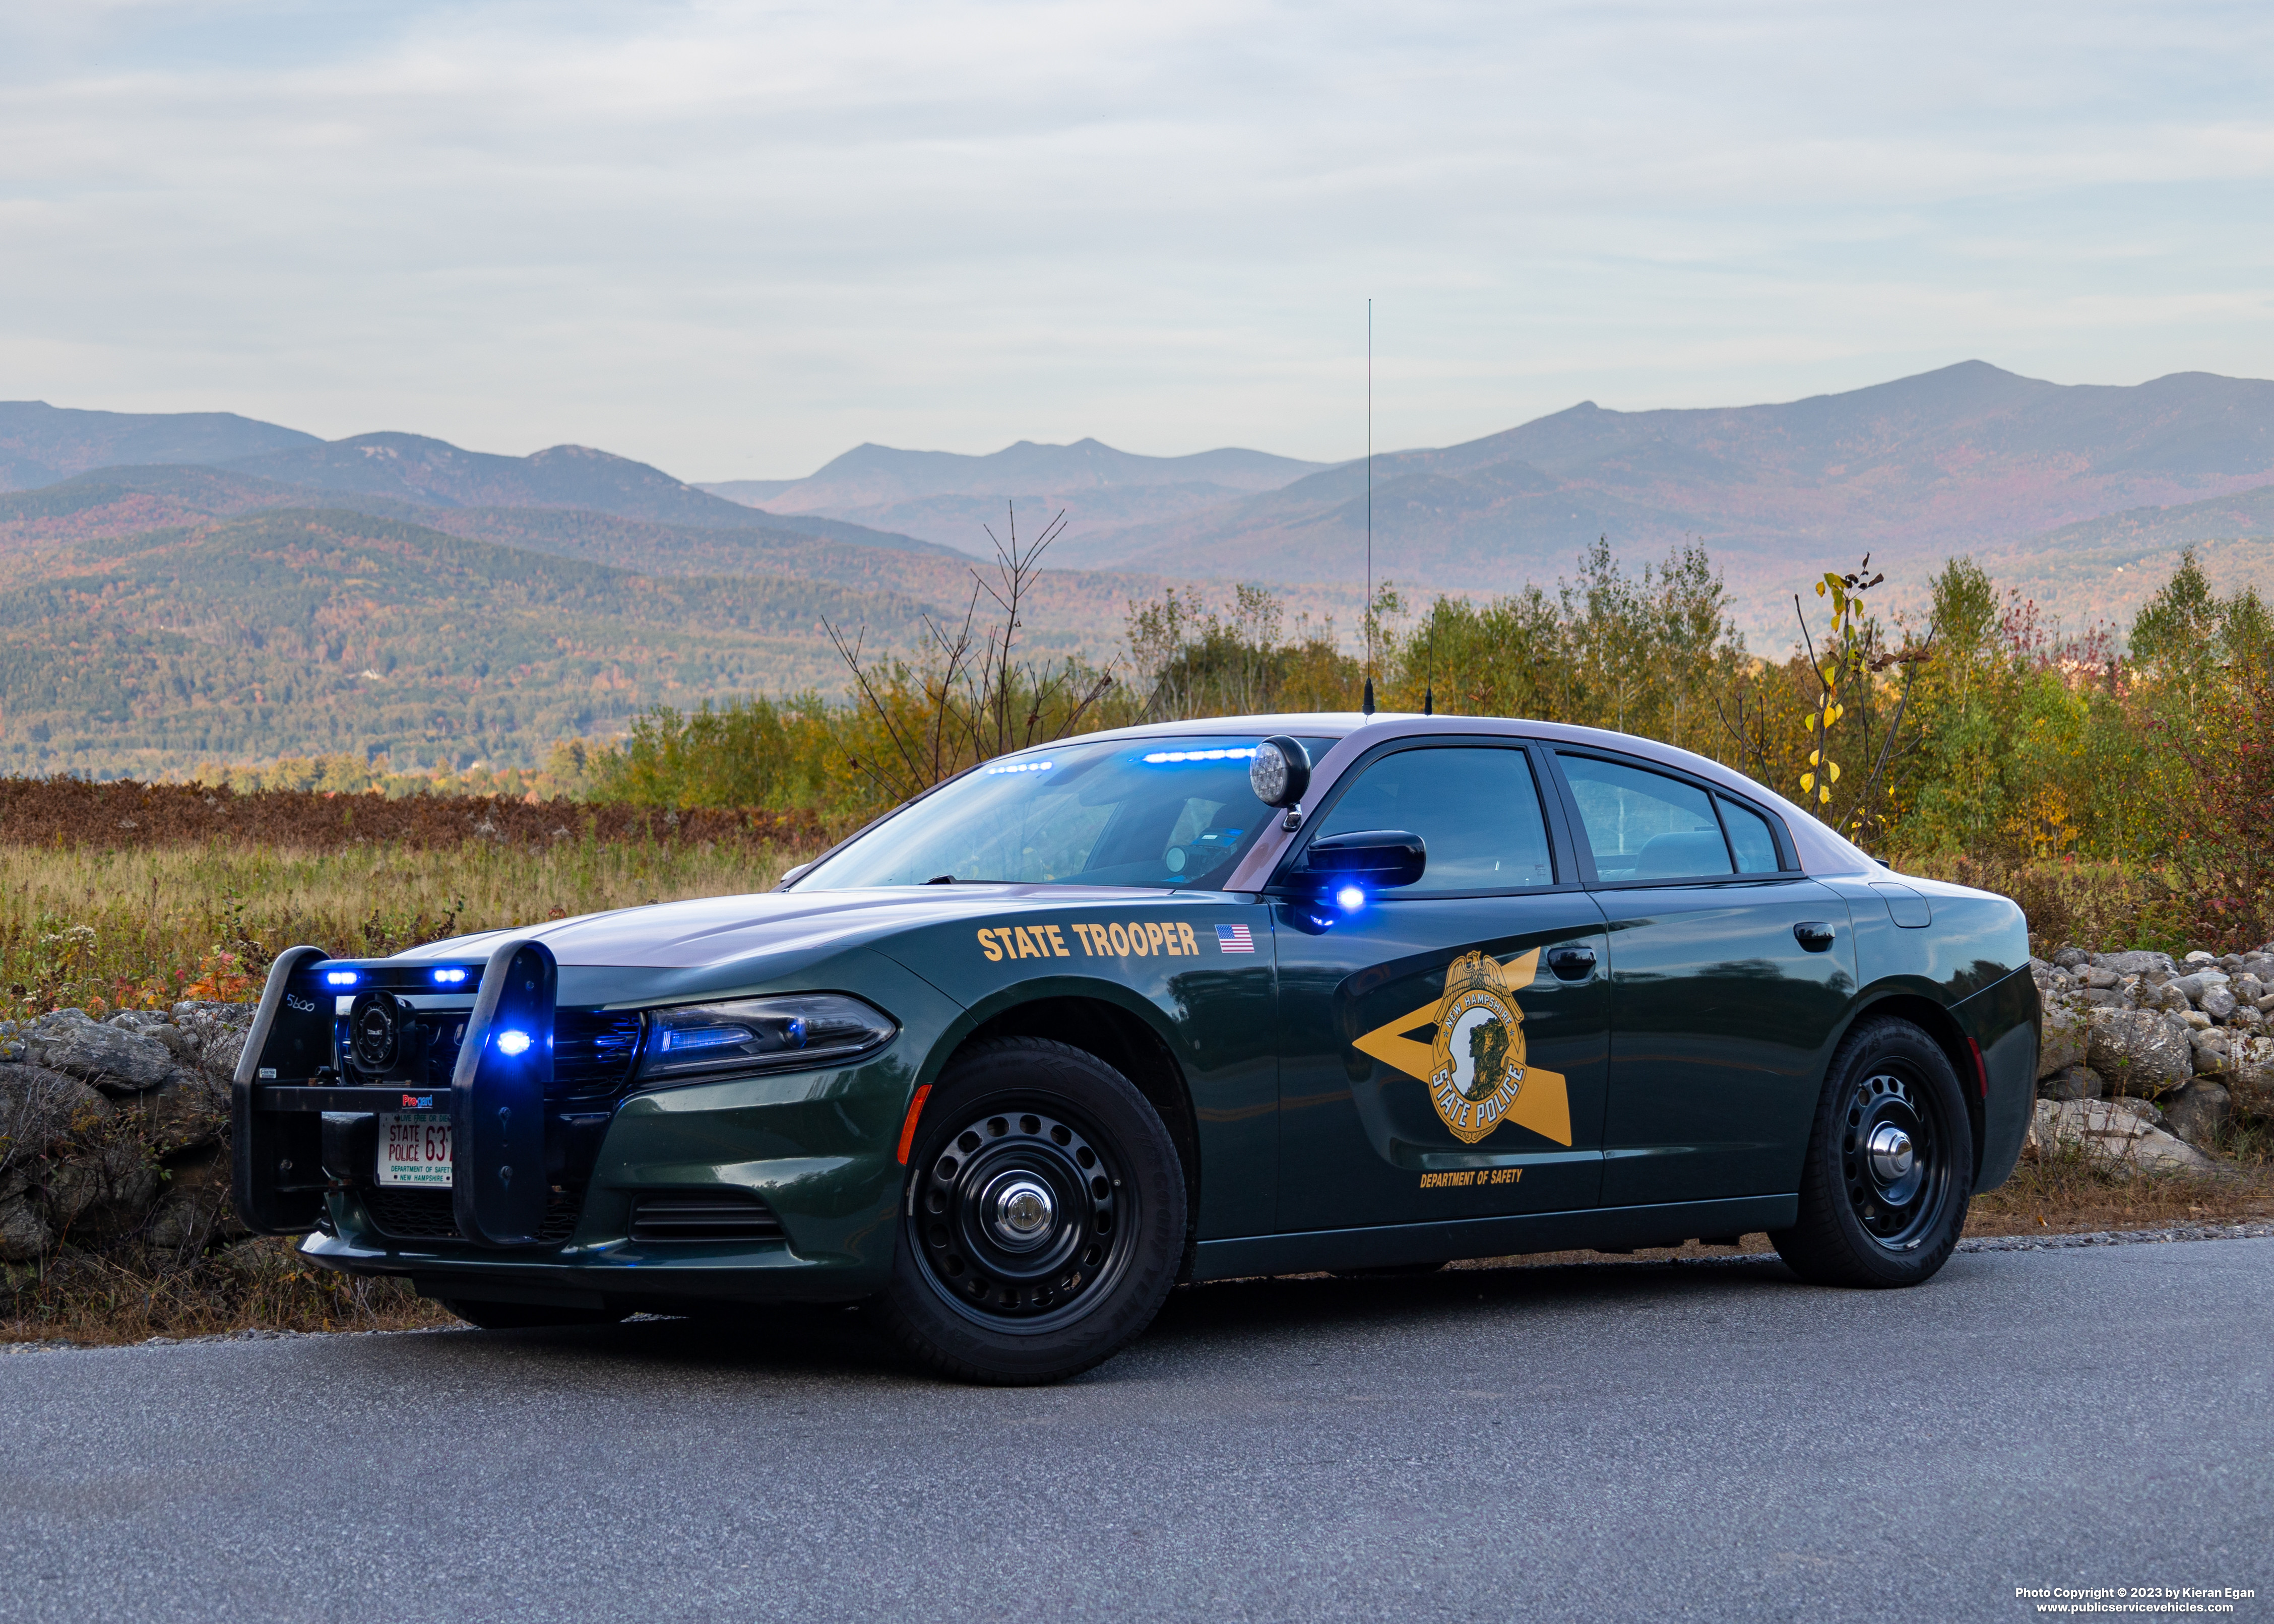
(1443, 1045)
(1722, 1016)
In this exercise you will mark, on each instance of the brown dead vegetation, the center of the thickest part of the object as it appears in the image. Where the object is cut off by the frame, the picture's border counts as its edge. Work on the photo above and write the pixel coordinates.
(126, 814)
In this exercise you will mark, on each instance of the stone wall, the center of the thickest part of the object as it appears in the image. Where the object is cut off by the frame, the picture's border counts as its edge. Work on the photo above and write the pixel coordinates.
(113, 1133)
(2148, 1058)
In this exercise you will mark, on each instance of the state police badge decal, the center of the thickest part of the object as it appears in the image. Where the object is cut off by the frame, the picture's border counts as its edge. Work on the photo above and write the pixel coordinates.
(1475, 1068)
(1479, 1054)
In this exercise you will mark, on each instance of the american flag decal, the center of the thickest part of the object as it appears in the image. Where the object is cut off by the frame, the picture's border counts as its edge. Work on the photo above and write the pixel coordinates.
(1234, 939)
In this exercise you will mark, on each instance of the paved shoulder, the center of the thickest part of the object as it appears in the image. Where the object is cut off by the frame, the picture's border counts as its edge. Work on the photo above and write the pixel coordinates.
(1636, 1442)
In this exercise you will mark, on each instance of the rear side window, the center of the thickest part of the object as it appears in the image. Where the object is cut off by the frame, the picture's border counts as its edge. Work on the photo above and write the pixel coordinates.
(1750, 838)
(1644, 825)
(1476, 810)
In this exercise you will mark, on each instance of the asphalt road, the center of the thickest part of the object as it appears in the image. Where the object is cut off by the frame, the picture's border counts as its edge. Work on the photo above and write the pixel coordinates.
(1629, 1442)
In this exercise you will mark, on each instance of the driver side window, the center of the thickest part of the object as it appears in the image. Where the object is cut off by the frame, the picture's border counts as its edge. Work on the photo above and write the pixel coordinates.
(1475, 808)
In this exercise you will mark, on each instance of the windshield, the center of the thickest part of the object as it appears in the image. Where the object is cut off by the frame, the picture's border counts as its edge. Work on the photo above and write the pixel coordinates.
(1170, 813)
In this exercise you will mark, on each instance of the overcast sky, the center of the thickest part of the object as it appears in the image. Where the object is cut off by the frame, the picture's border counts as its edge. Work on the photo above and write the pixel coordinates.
(737, 239)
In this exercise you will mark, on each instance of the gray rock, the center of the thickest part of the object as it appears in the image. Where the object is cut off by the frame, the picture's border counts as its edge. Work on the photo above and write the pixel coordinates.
(2076, 1082)
(24, 1232)
(194, 1211)
(2249, 1078)
(191, 1108)
(2101, 978)
(2072, 957)
(2217, 1003)
(114, 1059)
(2195, 1021)
(2101, 998)
(2123, 1141)
(2139, 1052)
(38, 1106)
(2169, 997)
(2190, 987)
(2212, 1054)
(2249, 988)
(218, 1032)
(2199, 1111)
(2064, 1044)
(2202, 956)
(2136, 963)
(99, 1196)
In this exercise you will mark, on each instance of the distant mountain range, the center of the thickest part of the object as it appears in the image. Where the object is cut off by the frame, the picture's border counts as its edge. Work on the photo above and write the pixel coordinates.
(946, 496)
(1967, 459)
(393, 592)
(185, 587)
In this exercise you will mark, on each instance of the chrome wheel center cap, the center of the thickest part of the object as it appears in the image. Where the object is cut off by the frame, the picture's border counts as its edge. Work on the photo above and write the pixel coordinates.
(1891, 1153)
(1020, 1212)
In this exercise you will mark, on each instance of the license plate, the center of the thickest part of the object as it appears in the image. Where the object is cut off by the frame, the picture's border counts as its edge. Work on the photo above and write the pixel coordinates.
(414, 1148)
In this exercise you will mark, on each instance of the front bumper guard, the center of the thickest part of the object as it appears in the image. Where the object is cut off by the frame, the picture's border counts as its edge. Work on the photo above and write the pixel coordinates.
(284, 1086)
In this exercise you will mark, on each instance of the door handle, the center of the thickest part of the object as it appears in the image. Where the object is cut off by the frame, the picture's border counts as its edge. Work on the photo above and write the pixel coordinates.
(1814, 934)
(1571, 964)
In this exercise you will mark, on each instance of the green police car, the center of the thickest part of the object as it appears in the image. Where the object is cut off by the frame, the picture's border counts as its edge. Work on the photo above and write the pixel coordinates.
(1242, 997)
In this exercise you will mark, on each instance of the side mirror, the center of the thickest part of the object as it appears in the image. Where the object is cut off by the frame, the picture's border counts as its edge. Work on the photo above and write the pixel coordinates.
(1280, 772)
(1372, 859)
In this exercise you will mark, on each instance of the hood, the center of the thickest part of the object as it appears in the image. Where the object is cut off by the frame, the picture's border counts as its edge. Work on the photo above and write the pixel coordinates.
(705, 932)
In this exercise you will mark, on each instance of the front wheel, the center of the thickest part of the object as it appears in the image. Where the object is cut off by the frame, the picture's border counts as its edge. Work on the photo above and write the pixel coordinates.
(1890, 1164)
(1043, 1220)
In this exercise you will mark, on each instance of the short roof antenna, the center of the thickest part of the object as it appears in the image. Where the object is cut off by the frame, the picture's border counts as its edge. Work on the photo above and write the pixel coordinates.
(1368, 708)
(1429, 682)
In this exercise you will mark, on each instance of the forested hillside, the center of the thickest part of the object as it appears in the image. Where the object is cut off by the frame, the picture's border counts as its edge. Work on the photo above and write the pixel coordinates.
(300, 631)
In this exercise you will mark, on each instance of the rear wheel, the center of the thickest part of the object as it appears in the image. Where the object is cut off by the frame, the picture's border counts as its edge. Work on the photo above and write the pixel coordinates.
(523, 1316)
(1890, 1164)
(1044, 1217)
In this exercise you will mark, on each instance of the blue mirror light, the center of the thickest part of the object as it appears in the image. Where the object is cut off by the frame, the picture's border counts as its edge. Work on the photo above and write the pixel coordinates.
(513, 1042)
(340, 978)
(1350, 898)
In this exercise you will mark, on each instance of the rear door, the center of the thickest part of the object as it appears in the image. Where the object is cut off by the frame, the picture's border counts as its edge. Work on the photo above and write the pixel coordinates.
(1435, 1063)
(1722, 1016)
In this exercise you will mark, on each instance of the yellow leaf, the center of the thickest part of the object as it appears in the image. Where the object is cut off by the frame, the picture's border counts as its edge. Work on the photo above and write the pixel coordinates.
(1820, 589)
(1813, 754)
(1807, 780)
(1833, 768)
(1811, 721)
(1824, 795)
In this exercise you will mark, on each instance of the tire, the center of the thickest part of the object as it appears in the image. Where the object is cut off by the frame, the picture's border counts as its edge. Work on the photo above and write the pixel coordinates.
(1891, 1218)
(523, 1316)
(1043, 1220)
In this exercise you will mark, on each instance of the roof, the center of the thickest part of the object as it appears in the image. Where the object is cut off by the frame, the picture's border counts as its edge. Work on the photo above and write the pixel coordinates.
(1822, 850)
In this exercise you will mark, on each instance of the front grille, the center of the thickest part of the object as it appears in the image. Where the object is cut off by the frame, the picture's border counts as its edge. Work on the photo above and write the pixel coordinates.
(593, 1051)
(702, 1215)
(405, 1214)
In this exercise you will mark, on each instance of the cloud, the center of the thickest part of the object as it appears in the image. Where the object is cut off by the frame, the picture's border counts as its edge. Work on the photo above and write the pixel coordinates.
(735, 239)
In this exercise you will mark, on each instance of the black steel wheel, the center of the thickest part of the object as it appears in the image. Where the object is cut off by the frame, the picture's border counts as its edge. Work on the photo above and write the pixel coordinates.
(1044, 1218)
(1889, 1165)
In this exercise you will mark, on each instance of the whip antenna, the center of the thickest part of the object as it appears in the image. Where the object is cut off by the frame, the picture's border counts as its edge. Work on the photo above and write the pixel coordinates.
(1429, 682)
(1368, 705)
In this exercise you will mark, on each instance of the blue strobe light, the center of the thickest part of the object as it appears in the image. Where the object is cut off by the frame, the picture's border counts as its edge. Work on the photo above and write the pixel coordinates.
(1350, 898)
(513, 1042)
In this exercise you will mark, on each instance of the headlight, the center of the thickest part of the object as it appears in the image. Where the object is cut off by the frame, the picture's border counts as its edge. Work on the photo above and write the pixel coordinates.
(810, 1029)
